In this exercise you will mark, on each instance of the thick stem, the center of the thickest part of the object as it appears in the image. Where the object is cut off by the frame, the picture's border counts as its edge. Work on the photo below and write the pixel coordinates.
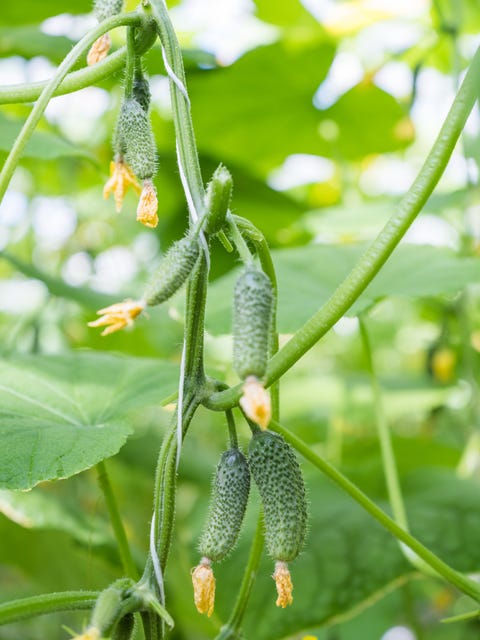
(116, 522)
(47, 93)
(46, 603)
(379, 251)
(464, 584)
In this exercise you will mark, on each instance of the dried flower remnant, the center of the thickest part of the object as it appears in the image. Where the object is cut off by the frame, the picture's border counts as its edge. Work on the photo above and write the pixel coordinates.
(121, 178)
(118, 316)
(255, 401)
(204, 587)
(99, 49)
(284, 585)
(148, 205)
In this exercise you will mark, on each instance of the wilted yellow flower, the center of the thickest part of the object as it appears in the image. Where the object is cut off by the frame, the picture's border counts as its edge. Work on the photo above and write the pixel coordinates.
(121, 178)
(148, 205)
(99, 49)
(204, 587)
(255, 401)
(284, 584)
(117, 316)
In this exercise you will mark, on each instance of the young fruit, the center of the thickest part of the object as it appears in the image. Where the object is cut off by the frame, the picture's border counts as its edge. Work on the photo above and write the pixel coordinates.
(106, 8)
(217, 199)
(252, 318)
(279, 479)
(173, 270)
(228, 502)
(135, 135)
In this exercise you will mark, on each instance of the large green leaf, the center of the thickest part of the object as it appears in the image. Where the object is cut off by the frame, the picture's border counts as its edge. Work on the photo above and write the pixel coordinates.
(270, 89)
(308, 276)
(31, 11)
(29, 41)
(62, 414)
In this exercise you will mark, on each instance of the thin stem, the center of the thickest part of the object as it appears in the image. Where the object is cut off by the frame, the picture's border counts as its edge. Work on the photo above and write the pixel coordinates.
(130, 63)
(233, 626)
(242, 247)
(382, 247)
(46, 603)
(232, 431)
(47, 93)
(388, 456)
(116, 521)
(463, 583)
(75, 81)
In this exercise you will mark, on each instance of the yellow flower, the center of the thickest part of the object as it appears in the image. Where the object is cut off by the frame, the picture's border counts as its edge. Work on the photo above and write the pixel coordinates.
(284, 584)
(99, 49)
(148, 205)
(92, 633)
(255, 401)
(117, 316)
(204, 587)
(120, 179)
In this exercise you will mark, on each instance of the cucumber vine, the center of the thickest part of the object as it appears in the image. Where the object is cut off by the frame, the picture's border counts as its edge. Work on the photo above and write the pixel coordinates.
(257, 359)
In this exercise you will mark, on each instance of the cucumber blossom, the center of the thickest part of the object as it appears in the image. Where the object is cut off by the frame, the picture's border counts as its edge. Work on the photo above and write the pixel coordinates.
(229, 498)
(252, 317)
(231, 487)
(134, 135)
(173, 270)
(279, 479)
(217, 199)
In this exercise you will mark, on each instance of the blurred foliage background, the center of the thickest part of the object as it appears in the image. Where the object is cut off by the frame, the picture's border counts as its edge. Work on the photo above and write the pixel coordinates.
(323, 111)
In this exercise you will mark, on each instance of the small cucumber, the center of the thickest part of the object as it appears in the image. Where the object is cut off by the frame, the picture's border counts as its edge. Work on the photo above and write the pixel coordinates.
(141, 90)
(279, 479)
(134, 133)
(217, 199)
(252, 317)
(106, 8)
(173, 270)
(229, 498)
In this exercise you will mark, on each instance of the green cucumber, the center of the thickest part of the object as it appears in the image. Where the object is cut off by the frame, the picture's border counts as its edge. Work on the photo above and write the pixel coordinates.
(174, 269)
(279, 479)
(106, 8)
(252, 317)
(134, 134)
(217, 199)
(228, 502)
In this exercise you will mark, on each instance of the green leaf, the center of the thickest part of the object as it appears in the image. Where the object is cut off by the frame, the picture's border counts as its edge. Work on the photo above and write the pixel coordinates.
(29, 41)
(308, 276)
(28, 12)
(285, 13)
(62, 414)
(271, 88)
(43, 145)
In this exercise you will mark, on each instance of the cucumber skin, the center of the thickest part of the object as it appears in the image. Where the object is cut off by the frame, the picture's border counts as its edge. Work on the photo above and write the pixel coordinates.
(231, 487)
(134, 134)
(277, 474)
(106, 8)
(252, 317)
(173, 270)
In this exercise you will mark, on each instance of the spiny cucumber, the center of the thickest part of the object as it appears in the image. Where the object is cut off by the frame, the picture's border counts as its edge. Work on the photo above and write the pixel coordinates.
(252, 318)
(173, 270)
(217, 199)
(279, 479)
(136, 137)
(106, 8)
(231, 487)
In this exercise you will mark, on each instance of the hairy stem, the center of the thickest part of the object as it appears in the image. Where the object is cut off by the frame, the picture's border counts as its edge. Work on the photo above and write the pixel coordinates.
(116, 521)
(46, 603)
(36, 113)
(463, 583)
(382, 247)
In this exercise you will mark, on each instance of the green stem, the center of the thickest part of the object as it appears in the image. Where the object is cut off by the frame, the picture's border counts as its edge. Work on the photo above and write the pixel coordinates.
(232, 430)
(86, 77)
(463, 583)
(232, 629)
(242, 247)
(376, 255)
(130, 63)
(47, 93)
(388, 456)
(46, 603)
(116, 521)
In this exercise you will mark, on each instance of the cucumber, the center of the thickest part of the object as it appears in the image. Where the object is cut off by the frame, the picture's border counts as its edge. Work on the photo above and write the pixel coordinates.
(279, 479)
(173, 270)
(134, 134)
(106, 8)
(217, 199)
(252, 317)
(228, 502)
